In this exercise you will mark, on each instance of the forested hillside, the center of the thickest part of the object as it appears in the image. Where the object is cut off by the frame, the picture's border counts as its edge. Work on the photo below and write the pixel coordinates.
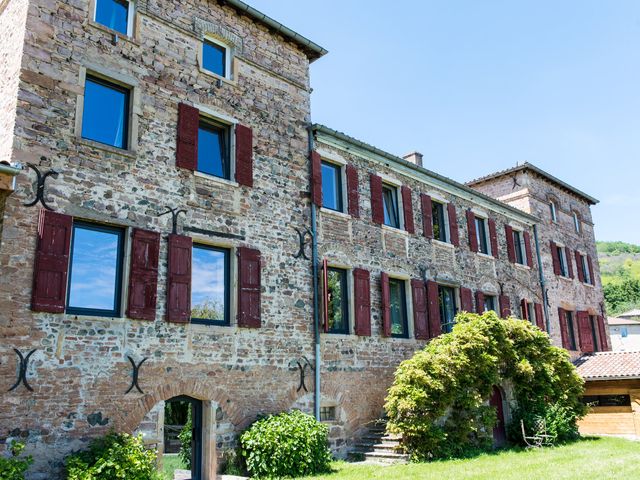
(620, 270)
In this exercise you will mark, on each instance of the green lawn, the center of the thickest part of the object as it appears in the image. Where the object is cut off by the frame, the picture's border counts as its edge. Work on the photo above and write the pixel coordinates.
(591, 458)
(169, 464)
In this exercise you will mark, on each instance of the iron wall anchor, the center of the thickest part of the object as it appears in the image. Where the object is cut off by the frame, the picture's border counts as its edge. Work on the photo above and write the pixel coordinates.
(41, 181)
(174, 217)
(136, 372)
(22, 371)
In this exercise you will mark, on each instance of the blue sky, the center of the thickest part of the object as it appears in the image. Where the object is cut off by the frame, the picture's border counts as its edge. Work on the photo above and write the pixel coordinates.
(477, 86)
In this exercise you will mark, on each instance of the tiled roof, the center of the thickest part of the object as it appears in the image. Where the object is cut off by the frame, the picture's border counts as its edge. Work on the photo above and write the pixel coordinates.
(630, 314)
(623, 321)
(609, 366)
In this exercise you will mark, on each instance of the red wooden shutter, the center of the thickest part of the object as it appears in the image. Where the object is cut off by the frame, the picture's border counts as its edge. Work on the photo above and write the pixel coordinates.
(427, 215)
(420, 321)
(51, 265)
(564, 331)
(362, 302)
(407, 206)
(435, 325)
(602, 332)
(316, 178)
(493, 237)
(353, 197)
(555, 258)
(511, 247)
(569, 261)
(466, 299)
(386, 304)
(479, 302)
(179, 279)
(244, 155)
(471, 229)
(523, 310)
(527, 248)
(187, 146)
(143, 276)
(249, 285)
(585, 333)
(377, 208)
(505, 306)
(540, 317)
(579, 266)
(590, 265)
(453, 225)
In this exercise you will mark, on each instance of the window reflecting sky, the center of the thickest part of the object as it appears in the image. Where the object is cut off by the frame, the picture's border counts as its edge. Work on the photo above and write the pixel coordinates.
(211, 151)
(93, 269)
(208, 283)
(331, 191)
(113, 14)
(214, 58)
(105, 114)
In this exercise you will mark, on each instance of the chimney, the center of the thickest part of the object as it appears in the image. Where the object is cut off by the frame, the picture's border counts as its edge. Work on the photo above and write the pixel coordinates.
(414, 157)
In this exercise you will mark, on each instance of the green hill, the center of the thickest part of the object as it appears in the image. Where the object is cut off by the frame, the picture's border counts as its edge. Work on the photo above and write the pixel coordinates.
(620, 271)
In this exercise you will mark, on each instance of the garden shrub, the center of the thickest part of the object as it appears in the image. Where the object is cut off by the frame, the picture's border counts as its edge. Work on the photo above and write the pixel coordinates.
(438, 400)
(286, 445)
(14, 467)
(185, 442)
(115, 456)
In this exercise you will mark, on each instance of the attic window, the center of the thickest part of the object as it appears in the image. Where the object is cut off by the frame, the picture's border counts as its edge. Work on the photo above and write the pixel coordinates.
(216, 58)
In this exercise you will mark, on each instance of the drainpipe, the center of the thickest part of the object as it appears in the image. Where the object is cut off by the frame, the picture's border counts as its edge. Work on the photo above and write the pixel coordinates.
(316, 310)
(542, 280)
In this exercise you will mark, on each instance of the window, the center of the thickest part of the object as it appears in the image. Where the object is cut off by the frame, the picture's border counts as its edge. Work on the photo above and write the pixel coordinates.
(327, 414)
(483, 237)
(518, 243)
(332, 187)
(562, 257)
(607, 400)
(105, 116)
(440, 231)
(447, 304)
(210, 285)
(398, 304)
(95, 270)
(571, 331)
(531, 314)
(337, 304)
(213, 148)
(390, 203)
(593, 323)
(552, 209)
(576, 222)
(215, 58)
(115, 14)
(490, 303)
(624, 333)
(584, 265)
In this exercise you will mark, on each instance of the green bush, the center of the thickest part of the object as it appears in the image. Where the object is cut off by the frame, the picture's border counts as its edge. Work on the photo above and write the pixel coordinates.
(14, 468)
(556, 420)
(438, 400)
(185, 441)
(286, 445)
(115, 456)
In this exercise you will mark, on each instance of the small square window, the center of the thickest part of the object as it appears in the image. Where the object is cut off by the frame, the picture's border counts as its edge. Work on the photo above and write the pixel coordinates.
(337, 301)
(440, 231)
(210, 285)
(482, 235)
(332, 187)
(327, 414)
(390, 203)
(105, 117)
(215, 57)
(95, 270)
(448, 309)
(114, 14)
(398, 308)
(213, 149)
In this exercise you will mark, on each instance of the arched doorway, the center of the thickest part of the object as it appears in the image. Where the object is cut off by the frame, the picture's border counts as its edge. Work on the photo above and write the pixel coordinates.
(178, 412)
(499, 432)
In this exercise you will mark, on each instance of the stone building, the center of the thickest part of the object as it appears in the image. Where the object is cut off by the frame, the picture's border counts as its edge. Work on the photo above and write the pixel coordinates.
(204, 242)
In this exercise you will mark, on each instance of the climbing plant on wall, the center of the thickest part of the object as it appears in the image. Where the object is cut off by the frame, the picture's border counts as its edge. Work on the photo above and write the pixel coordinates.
(438, 400)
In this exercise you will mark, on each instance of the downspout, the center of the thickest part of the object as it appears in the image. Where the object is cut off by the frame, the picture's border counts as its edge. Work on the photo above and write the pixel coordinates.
(316, 310)
(543, 283)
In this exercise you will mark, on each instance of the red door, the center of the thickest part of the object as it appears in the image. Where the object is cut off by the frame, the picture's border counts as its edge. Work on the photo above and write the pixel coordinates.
(499, 433)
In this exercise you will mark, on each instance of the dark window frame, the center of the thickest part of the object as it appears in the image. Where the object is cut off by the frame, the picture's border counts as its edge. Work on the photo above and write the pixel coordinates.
(328, 413)
(569, 317)
(593, 321)
(211, 124)
(553, 210)
(518, 243)
(611, 400)
(116, 312)
(225, 53)
(226, 322)
(586, 274)
(338, 169)
(439, 221)
(493, 299)
(344, 287)
(395, 206)
(482, 234)
(124, 3)
(127, 114)
(562, 258)
(447, 326)
(404, 320)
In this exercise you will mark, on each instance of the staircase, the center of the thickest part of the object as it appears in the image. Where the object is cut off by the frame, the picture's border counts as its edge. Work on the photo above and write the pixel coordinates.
(378, 446)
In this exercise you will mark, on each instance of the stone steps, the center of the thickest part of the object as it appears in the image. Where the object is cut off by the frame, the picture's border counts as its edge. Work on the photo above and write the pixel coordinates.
(378, 446)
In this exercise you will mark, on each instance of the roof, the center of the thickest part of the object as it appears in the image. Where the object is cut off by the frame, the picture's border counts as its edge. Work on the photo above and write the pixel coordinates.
(472, 193)
(609, 366)
(623, 321)
(311, 49)
(530, 167)
(630, 314)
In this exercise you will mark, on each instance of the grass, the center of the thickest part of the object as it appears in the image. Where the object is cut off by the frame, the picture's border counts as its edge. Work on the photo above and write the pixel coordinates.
(170, 463)
(597, 458)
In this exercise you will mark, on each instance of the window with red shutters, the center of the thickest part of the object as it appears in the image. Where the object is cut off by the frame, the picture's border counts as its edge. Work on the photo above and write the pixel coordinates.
(493, 237)
(579, 266)
(511, 248)
(453, 224)
(540, 317)
(377, 209)
(407, 206)
(602, 332)
(49, 292)
(420, 317)
(179, 279)
(569, 262)
(362, 302)
(585, 333)
(524, 312)
(427, 215)
(435, 325)
(249, 286)
(466, 299)
(353, 195)
(479, 302)
(527, 248)
(590, 265)
(564, 332)
(505, 306)
(143, 275)
(316, 178)
(244, 155)
(187, 145)
(386, 304)
(471, 229)
(556, 259)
